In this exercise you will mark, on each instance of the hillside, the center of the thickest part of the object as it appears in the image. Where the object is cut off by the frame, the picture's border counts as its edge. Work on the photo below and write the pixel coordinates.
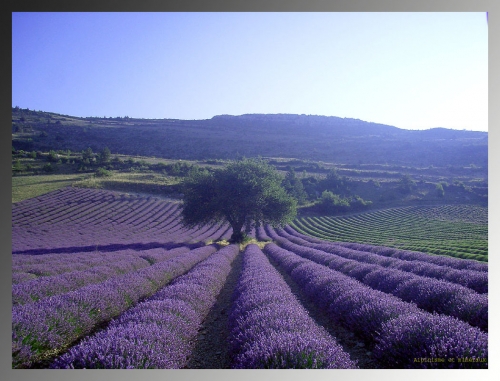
(305, 137)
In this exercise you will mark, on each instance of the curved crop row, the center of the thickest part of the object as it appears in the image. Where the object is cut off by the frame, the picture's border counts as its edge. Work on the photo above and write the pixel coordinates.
(429, 294)
(100, 218)
(24, 212)
(269, 326)
(157, 332)
(48, 239)
(261, 234)
(404, 227)
(371, 314)
(407, 255)
(459, 264)
(475, 280)
(57, 264)
(34, 290)
(462, 213)
(46, 327)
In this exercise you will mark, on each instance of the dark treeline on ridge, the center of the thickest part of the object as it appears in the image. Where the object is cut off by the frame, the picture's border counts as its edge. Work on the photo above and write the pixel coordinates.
(304, 137)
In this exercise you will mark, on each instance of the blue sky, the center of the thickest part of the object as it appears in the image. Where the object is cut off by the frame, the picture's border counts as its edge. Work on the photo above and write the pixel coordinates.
(409, 70)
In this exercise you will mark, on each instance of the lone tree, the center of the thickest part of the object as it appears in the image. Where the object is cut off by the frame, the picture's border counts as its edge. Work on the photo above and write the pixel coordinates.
(104, 156)
(245, 193)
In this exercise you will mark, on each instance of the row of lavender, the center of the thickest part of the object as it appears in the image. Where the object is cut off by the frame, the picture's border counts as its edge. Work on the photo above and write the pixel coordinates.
(159, 331)
(396, 277)
(33, 267)
(470, 274)
(269, 326)
(72, 220)
(62, 206)
(73, 238)
(407, 255)
(70, 272)
(399, 331)
(41, 329)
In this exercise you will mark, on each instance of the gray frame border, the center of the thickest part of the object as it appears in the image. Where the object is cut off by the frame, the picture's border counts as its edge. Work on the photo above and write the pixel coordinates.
(492, 6)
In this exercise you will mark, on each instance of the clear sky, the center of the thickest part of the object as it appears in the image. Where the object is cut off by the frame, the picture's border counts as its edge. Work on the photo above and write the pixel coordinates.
(409, 70)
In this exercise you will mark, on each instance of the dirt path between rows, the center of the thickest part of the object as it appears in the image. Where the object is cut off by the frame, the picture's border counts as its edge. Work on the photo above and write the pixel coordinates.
(211, 349)
(211, 345)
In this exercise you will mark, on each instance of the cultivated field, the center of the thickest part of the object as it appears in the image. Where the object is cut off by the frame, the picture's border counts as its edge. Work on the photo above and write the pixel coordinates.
(454, 230)
(105, 280)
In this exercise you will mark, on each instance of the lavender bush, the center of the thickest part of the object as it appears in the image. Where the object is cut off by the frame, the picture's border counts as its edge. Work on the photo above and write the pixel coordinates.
(42, 328)
(473, 279)
(270, 328)
(158, 332)
(380, 317)
(431, 341)
(430, 294)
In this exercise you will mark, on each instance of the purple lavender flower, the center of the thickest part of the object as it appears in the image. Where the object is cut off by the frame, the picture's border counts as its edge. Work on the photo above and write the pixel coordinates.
(410, 341)
(269, 326)
(158, 332)
(51, 324)
(401, 331)
(430, 294)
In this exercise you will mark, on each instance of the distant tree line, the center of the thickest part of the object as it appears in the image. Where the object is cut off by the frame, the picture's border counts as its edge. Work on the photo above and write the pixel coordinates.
(87, 160)
(333, 194)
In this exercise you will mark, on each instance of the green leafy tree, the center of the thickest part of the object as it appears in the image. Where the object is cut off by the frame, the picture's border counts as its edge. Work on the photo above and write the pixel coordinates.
(357, 203)
(439, 190)
(335, 183)
(294, 186)
(245, 193)
(102, 172)
(333, 203)
(87, 156)
(311, 186)
(406, 184)
(49, 167)
(179, 168)
(17, 167)
(104, 156)
(53, 156)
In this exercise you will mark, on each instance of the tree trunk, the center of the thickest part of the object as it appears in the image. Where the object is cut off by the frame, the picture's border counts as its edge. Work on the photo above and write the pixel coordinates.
(238, 235)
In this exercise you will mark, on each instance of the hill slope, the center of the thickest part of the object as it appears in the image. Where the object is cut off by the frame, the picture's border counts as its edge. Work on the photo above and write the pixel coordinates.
(306, 137)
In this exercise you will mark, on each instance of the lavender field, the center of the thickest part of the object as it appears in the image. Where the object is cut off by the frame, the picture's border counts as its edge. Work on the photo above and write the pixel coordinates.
(105, 280)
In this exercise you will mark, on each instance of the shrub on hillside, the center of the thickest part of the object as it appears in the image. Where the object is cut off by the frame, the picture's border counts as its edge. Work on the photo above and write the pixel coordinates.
(102, 172)
(333, 203)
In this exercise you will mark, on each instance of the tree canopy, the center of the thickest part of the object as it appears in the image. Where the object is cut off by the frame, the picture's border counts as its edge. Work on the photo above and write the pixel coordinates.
(245, 193)
(294, 187)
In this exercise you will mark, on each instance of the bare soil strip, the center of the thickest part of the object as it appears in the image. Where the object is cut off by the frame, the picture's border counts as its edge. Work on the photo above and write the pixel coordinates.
(211, 349)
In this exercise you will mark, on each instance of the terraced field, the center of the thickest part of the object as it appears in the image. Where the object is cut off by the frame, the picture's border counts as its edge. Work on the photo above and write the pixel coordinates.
(455, 230)
(103, 280)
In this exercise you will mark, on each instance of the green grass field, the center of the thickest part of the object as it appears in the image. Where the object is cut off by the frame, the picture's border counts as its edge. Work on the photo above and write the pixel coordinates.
(455, 230)
(143, 183)
(24, 187)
